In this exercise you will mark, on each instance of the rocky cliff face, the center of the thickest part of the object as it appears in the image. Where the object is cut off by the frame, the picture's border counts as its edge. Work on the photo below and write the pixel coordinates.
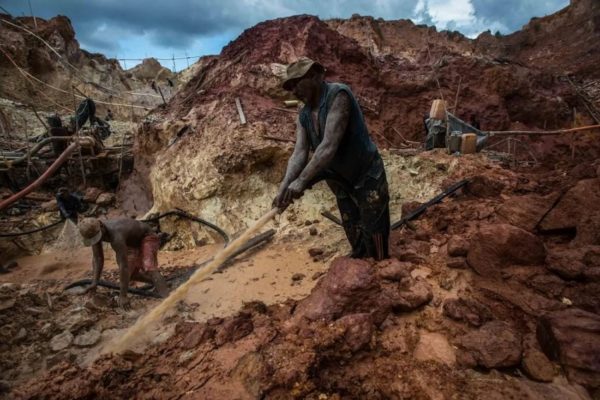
(47, 75)
(196, 154)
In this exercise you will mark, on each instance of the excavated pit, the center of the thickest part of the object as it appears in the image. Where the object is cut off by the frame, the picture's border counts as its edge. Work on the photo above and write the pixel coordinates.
(492, 293)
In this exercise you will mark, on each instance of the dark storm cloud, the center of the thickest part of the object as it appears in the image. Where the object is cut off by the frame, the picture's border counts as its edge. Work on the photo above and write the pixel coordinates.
(170, 23)
(103, 25)
(513, 14)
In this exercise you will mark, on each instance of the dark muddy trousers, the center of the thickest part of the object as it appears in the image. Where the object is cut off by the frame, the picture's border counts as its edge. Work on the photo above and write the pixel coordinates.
(365, 215)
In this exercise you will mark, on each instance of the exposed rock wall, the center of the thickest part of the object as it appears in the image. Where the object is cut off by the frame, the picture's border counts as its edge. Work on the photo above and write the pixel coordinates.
(52, 74)
(196, 154)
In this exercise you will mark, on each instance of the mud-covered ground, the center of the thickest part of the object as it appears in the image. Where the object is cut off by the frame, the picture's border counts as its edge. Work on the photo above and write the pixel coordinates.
(491, 294)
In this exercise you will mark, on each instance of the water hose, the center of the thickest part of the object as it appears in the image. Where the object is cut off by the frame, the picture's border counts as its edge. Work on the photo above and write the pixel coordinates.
(47, 174)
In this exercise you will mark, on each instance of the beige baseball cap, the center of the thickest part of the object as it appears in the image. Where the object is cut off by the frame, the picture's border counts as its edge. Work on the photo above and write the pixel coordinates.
(297, 70)
(90, 230)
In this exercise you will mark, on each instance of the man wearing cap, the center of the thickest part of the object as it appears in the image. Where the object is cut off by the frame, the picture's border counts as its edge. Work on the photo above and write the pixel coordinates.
(135, 246)
(331, 125)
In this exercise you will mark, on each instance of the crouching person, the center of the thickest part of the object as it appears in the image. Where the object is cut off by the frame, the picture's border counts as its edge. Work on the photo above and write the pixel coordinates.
(136, 247)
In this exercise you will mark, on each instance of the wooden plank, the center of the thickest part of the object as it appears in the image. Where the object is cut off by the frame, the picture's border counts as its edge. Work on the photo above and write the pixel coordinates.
(238, 104)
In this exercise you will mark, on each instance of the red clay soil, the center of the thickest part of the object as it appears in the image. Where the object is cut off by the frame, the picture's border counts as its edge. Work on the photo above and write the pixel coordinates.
(462, 308)
(493, 293)
(396, 69)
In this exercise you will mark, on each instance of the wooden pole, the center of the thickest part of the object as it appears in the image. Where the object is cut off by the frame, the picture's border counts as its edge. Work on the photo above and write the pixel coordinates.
(240, 110)
(456, 97)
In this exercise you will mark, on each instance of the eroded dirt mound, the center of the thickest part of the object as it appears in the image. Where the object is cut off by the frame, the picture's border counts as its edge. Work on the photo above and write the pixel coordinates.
(197, 154)
(51, 72)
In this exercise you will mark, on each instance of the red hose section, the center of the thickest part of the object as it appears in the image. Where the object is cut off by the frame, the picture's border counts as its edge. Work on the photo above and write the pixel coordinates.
(47, 174)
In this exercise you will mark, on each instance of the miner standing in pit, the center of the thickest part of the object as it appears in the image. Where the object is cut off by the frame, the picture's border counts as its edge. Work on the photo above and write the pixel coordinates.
(332, 126)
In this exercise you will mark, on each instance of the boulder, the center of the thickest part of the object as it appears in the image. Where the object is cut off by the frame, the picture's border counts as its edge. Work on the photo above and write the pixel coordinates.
(106, 199)
(353, 286)
(349, 287)
(467, 310)
(494, 247)
(537, 366)
(581, 200)
(576, 263)
(77, 320)
(526, 212)
(7, 303)
(414, 294)
(61, 341)
(494, 345)
(63, 356)
(458, 246)
(393, 270)
(358, 330)
(87, 339)
(572, 337)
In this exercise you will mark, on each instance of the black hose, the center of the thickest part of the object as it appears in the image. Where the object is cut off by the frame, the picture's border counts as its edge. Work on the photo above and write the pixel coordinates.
(110, 285)
(331, 217)
(421, 209)
(32, 231)
(183, 214)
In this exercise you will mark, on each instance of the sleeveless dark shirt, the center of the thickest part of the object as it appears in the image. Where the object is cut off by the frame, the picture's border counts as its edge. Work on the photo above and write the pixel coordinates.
(356, 153)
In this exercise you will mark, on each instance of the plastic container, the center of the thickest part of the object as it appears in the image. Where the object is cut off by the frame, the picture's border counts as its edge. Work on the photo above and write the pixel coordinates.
(454, 142)
(438, 110)
(468, 143)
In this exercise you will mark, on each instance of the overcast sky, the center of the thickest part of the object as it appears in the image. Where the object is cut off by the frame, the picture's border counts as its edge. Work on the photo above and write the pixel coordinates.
(145, 28)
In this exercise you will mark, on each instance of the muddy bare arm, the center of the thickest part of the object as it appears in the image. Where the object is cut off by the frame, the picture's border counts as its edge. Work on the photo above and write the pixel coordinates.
(98, 264)
(335, 126)
(296, 162)
(120, 248)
